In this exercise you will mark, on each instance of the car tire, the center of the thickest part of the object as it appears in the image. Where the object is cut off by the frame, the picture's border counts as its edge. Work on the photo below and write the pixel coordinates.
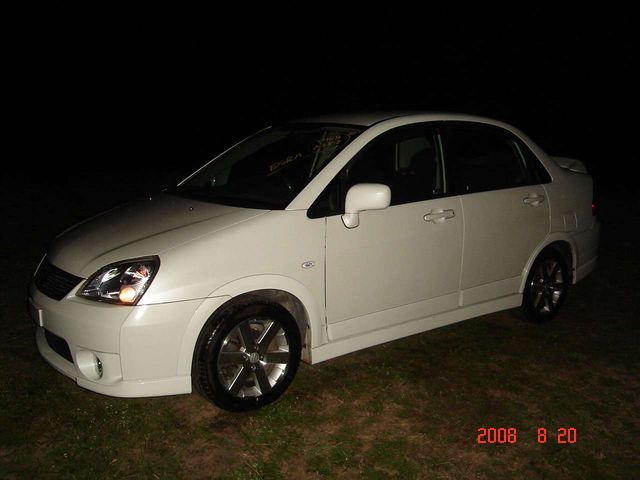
(546, 288)
(246, 355)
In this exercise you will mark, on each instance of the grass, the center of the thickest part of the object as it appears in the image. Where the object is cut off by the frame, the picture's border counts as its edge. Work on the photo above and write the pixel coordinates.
(407, 409)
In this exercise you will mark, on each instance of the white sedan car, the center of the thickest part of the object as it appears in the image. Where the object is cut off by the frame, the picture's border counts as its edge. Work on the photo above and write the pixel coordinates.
(307, 241)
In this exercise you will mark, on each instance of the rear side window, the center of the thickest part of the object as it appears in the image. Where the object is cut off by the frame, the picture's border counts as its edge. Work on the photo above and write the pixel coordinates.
(483, 158)
(537, 172)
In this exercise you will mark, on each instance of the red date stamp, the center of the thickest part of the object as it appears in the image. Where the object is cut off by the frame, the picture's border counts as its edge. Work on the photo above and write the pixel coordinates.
(509, 435)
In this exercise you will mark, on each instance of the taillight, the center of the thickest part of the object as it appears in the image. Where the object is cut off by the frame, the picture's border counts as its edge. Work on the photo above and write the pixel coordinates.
(594, 209)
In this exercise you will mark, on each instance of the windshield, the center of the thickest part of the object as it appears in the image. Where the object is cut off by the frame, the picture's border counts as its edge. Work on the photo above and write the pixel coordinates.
(270, 168)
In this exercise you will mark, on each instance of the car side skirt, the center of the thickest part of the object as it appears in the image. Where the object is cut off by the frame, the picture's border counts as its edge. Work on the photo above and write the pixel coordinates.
(418, 325)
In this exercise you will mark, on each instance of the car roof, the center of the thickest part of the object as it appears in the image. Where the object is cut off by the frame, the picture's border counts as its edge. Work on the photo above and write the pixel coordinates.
(364, 119)
(367, 119)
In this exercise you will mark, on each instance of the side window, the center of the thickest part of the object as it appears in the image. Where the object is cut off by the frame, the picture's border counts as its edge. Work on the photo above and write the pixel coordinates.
(482, 159)
(408, 160)
(537, 172)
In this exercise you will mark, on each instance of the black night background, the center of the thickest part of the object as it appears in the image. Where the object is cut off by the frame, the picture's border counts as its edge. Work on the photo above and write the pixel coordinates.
(105, 105)
(123, 95)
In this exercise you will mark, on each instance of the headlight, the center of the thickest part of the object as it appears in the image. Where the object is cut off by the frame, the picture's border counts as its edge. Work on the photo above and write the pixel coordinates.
(122, 282)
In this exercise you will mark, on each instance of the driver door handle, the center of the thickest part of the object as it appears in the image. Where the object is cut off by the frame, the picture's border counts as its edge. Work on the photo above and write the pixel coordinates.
(438, 215)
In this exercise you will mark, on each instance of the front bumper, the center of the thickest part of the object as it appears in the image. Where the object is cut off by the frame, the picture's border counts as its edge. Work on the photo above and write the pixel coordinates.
(115, 387)
(138, 349)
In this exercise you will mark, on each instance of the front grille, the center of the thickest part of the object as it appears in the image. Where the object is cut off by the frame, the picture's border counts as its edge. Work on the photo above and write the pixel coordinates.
(53, 282)
(58, 345)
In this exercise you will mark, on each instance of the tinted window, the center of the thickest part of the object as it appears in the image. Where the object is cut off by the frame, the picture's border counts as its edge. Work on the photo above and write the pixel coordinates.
(269, 169)
(481, 159)
(537, 172)
(408, 160)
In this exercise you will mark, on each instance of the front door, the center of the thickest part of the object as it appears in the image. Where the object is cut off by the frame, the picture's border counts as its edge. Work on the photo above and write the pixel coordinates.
(402, 262)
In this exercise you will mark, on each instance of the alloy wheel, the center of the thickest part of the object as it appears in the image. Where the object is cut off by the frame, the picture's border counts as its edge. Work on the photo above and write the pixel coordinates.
(548, 285)
(253, 357)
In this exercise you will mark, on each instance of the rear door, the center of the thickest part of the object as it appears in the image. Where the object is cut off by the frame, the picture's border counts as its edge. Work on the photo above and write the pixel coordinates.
(506, 212)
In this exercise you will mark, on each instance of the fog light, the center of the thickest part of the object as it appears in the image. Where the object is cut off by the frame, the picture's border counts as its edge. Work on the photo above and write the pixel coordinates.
(89, 365)
(99, 367)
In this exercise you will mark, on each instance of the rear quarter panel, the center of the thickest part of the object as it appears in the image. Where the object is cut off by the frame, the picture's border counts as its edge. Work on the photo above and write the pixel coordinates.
(570, 197)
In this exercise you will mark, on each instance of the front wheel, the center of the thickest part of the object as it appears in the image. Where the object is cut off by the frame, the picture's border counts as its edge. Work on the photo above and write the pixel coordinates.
(546, 288)
(247, 356)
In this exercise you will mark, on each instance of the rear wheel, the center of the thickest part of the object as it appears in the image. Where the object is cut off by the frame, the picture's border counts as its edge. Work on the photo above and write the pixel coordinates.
(247, 356)
(546, 288)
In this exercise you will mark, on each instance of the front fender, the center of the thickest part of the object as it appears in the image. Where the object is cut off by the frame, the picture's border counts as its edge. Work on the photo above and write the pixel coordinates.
(314, 311)
(219, 297)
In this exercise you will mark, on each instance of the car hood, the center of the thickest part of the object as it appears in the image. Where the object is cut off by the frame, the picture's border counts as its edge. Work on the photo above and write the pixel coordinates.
(143, 228)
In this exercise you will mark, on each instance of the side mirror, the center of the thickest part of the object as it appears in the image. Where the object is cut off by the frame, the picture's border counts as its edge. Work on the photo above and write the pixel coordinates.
(364, 196)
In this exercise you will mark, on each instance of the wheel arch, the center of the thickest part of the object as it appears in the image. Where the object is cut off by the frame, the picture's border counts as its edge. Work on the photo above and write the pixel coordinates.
(287, 292)
(563, 244)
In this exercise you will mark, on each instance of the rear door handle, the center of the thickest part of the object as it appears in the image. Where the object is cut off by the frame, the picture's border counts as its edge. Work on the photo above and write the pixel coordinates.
(533, 200)
(438, 215)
